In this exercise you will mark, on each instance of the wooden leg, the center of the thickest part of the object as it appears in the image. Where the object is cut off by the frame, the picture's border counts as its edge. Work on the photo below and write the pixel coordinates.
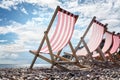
(86, 47)
(74, 54)
(31, 66)
(73, 51)
(56, 57)
(101, 54)
(49, 48)
(58, 54)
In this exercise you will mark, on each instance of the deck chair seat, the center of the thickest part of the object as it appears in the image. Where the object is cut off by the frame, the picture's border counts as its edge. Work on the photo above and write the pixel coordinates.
(106, 45)
(94, 41)
(114, 47)
(60, 38)
(98, 30)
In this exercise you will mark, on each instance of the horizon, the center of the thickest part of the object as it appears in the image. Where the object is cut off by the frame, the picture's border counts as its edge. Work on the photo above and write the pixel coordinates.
(23, 22)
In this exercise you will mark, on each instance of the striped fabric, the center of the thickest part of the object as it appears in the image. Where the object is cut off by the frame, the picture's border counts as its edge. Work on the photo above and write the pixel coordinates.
(107, 44)
(63, 32)
(95, 39)
(119, 42)
(115, 45)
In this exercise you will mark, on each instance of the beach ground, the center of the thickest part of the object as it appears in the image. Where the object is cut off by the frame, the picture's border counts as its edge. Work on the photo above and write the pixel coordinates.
(106, 72)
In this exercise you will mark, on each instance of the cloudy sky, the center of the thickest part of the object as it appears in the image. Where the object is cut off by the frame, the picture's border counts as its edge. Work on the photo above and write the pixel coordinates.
(22, 23)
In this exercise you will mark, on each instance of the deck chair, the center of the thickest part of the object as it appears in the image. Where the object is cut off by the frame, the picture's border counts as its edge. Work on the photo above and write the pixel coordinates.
(60, 38)
(118, 52)
(106, 45)
(94, 41)
(114, 47)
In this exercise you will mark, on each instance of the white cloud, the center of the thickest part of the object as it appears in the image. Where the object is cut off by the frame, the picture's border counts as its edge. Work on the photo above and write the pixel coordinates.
(106, 12)
(4, 30)
(112, 22)
(52, 4)
(31, 33)
(6, 4)
(12, 48)
(29, 36)
(4, 55)
(24, 10)
(32, 30)
(3, 41)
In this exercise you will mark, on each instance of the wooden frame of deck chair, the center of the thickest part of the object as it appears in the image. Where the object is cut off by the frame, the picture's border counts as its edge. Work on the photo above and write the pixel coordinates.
(111, 41)
(106, 44)
(114, 47)
(60, 38)
(95, 40)
(118, 52)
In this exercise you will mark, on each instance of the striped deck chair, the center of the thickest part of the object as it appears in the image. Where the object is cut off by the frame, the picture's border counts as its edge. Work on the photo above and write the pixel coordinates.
(106, 46)
(118, 52)
(92, 45)
(114, 47)
(60, 38)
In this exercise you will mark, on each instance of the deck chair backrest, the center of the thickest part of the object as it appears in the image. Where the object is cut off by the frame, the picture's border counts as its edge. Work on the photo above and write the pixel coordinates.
(119, 43)
(95, 39)
(63, 32)
(60, 38)
(115, 44)
(108, 41)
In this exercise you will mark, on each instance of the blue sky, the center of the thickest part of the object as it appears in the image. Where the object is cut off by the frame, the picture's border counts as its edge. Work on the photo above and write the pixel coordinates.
(22, 23)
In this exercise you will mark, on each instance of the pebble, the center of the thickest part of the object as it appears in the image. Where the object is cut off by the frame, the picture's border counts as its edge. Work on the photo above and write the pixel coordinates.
(95, 73)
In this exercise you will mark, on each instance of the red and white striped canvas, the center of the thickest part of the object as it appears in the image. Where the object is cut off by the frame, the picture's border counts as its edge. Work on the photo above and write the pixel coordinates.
(63, 32)
(94, 41)
(107, 44)
(115, 45)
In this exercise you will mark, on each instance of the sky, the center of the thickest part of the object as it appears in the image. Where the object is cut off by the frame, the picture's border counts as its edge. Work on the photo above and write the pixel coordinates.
(23, 22)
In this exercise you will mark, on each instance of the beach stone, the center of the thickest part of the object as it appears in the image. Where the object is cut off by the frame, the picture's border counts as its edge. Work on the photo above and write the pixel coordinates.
(57, 77)
(114, 75)
(24, 77)
(95, 78)
(41, 76)
(70, 74)
(3, 73)
(88, 75)
(52, 78)
(5, 79)
(95, 73)
(66, 78)
(36, 78)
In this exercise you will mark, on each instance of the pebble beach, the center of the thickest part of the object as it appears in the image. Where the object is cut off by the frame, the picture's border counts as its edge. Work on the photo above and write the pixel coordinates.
(106, 72)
